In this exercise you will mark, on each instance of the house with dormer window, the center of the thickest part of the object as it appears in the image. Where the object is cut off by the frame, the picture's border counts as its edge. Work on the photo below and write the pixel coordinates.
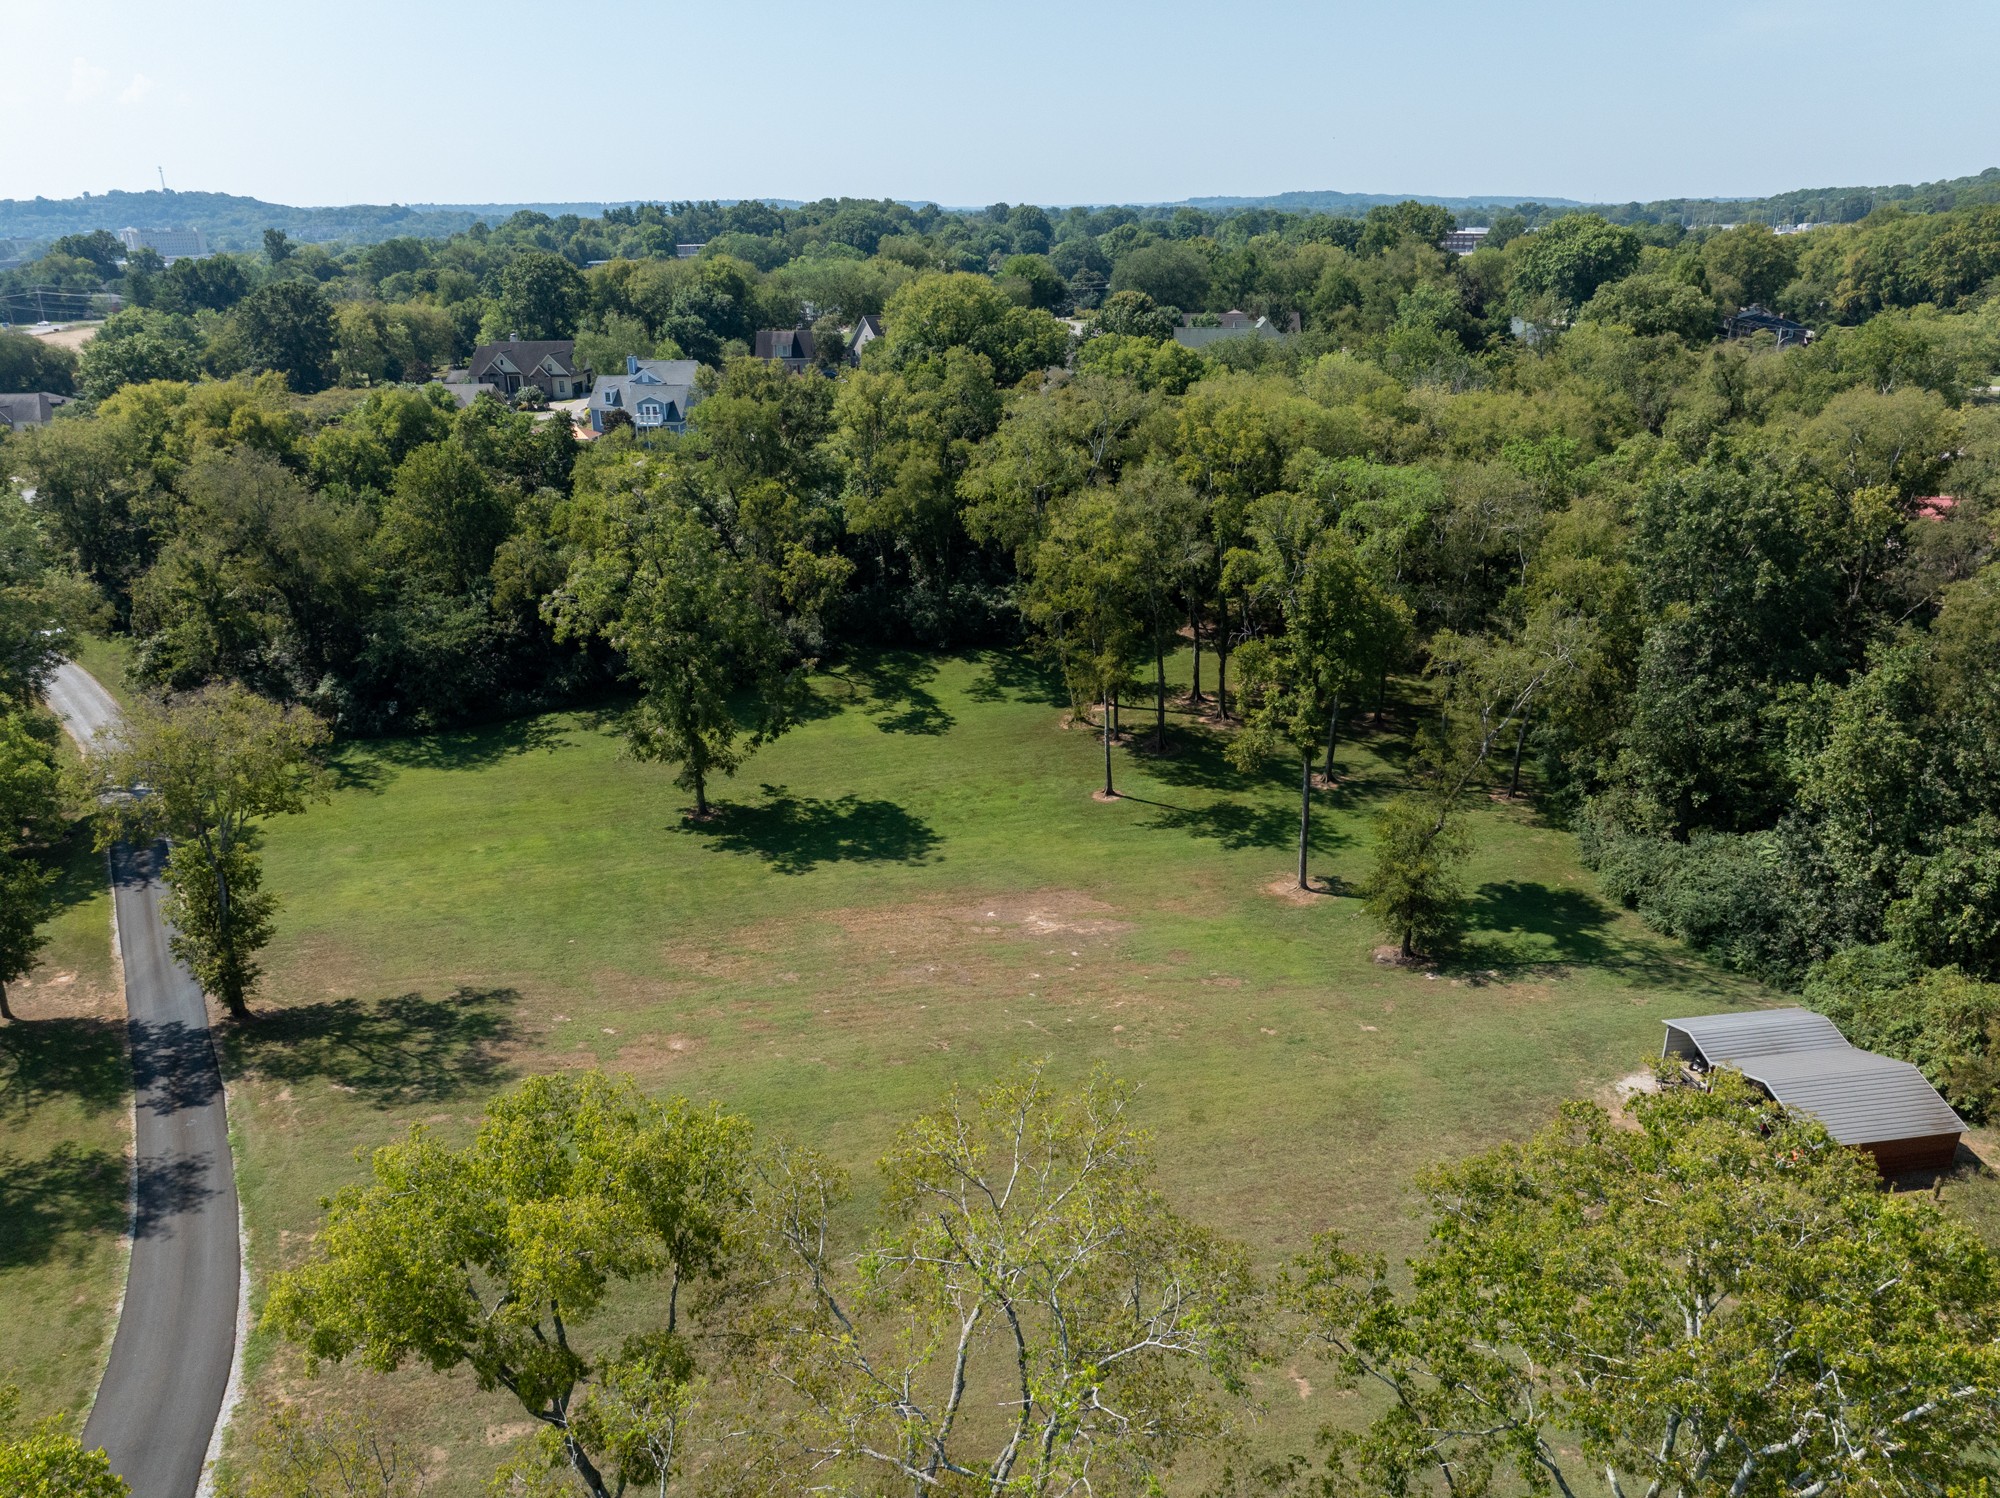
(547, 362)
(655, 393)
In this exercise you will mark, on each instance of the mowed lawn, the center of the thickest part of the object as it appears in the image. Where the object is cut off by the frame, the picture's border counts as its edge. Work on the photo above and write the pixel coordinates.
(65, 1138)
(911, 890)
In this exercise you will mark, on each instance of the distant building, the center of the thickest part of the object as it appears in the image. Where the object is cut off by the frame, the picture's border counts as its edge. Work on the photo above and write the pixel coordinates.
(656, 393)
(547, 362)
(169, 244)
(792, 347)
(867, 328)
(461, 386)
(35, 409)
(1230, 324)
(1463, 241)
(1754, 319)
(689, 251)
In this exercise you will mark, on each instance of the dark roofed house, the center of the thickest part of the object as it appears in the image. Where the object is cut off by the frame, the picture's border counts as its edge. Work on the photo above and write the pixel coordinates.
(547, 362)
(1754, 319)
(1801, 1059)
(36, 408)
(656, 393)
(792, 347)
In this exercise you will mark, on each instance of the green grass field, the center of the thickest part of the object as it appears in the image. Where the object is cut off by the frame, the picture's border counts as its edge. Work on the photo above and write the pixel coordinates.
(912, 889)
(65, 1136)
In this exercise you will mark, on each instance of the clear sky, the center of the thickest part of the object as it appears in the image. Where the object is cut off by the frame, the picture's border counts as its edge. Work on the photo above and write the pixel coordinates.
(966, 102)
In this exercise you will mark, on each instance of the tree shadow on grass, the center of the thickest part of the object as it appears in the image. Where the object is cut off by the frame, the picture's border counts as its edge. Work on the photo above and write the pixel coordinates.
(52, 1206)
(393, 1052)
(897, 683)
(796, 834)
(1234, 824)
(1565, 928)
(1015, 676)
(369, 764)
(42, 1060)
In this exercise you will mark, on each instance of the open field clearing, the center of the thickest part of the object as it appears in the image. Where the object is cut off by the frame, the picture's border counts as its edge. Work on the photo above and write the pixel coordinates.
(916, 889)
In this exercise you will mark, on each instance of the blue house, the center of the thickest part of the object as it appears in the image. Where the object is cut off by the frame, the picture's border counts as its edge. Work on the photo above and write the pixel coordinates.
(655, 393)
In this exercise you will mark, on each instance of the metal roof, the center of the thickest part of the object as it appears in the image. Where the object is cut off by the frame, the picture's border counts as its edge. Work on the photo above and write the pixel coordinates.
(1759, 1032)
(1807, 1065)
(1860, 1097)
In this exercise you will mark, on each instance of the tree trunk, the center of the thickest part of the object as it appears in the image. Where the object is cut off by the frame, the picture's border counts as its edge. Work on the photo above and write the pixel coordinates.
(232, 989)
(1381, 696)
(1222, 655)
(1194, 628)
(5, 1012)
(700, 796)
(1332, 738)
(1104, 712)
(1520, 739)
(1305, 814)
(1117, 727)
(585, 1468)
(1160, 698)
(1408, 950)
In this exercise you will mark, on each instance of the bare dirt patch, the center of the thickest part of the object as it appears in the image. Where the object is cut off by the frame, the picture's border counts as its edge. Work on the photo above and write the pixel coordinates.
(656, 1053)
(1287, 889)
(1616, 1097)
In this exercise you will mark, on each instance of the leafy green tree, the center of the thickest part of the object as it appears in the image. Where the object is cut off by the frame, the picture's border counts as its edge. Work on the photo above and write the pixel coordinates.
(214, 283)
(1173, 274)
(1653, 304)
(934, 314)
(30, 816)
(46, 1461)
(1166, 529)
(496, 1257)
(1719, 1301)
(135, 346)
(1750, 264)
(541, 295)
(212, 764)
(445, 517)
(1414, 887)
(1033, 281)
(277, 246)
(352, 1452)
(1026, 1255)
(1570, 258)
(1134, 314)
(31, 364)
(287, 326)
(651, 577)
(1334, 626)
(1082, 598)
(1390, 224)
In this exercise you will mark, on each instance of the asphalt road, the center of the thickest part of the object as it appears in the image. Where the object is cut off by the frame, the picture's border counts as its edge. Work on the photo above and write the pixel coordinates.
(163, 1389)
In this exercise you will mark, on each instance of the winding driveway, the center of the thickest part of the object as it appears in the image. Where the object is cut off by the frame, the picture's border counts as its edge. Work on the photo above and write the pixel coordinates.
(163, 1389)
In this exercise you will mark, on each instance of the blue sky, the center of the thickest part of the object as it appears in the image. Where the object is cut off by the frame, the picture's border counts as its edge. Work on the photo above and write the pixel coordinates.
(333, 101)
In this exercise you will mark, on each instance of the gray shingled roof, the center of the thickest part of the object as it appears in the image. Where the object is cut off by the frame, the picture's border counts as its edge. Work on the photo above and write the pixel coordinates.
(1759, 1032)
(1806, 1064)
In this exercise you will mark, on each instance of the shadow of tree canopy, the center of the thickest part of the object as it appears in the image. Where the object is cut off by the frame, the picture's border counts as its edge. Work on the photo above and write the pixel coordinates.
(367, 764)
(1017, 676)
(45, 1059)
(1237, 824)
(897, 683)
(1575, 929)
(393, 1052)
(51, 1206)
(796, 834)
(173, 1066)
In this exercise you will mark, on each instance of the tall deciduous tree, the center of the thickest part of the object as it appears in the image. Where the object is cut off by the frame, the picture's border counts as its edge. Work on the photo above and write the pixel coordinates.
(494, 1258)
(1032, 1318)
(1336, 624)
(1721, 1301)
(541, 295)
(46, 1461)
(1082, 599)
(651, 577)
(203, 770)
(288, 326)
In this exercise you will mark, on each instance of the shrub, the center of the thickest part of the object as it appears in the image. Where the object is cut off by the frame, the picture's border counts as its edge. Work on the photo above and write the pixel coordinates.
(1938, 1019)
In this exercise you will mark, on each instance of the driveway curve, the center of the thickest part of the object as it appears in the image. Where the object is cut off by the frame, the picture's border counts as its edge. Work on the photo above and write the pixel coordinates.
(163, 1388)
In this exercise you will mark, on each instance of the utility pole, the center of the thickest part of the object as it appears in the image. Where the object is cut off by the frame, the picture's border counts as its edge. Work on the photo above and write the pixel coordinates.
(163, 177)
